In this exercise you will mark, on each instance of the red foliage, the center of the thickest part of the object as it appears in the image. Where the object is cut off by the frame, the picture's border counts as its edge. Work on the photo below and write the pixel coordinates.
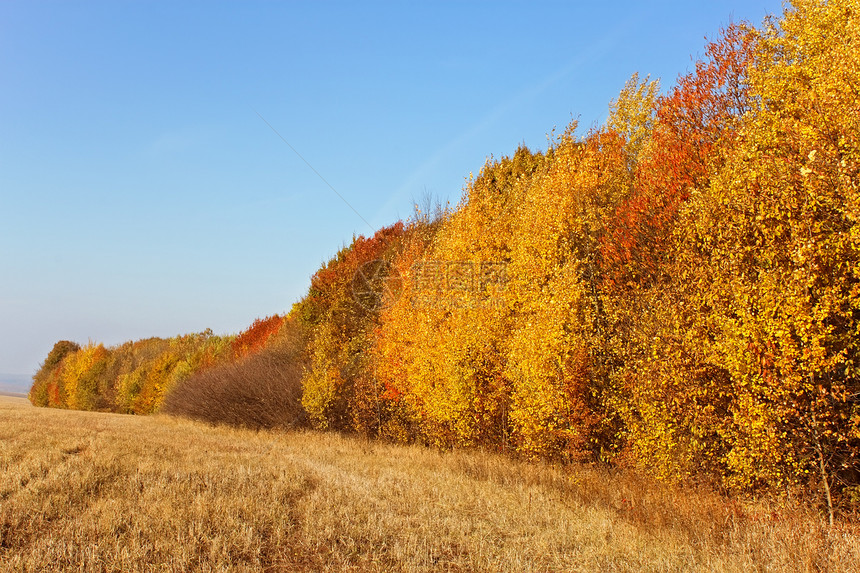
(331, 285)
(54, 398)
(701, 111)
(256, 336)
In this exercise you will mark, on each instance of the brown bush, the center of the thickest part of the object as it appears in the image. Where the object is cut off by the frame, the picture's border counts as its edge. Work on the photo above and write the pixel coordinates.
(262, 391)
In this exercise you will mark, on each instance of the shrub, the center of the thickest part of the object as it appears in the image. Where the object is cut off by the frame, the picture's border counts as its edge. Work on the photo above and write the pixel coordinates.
(262, 391)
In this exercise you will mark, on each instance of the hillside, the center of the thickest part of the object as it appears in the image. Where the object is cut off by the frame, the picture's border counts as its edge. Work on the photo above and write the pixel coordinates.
(92, 491)
(675, 292)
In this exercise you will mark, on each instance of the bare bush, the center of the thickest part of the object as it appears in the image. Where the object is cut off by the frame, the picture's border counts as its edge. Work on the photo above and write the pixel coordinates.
(261, 391)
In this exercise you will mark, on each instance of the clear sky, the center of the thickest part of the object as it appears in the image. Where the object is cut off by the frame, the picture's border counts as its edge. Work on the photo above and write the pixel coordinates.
(142, 195)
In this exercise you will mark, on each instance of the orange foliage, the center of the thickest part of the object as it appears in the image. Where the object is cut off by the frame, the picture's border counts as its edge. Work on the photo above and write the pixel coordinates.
(678, 290)
(699, 113)
(255, 337)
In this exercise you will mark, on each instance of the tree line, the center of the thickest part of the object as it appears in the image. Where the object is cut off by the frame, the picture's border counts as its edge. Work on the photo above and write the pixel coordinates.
(678, 290)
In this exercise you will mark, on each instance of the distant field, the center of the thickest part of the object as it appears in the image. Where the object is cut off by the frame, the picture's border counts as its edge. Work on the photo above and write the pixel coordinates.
(15, 384)
(13, 394)
(104, 492)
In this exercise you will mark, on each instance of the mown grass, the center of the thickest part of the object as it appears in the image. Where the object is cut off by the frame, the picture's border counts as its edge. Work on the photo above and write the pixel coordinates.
(102, 492)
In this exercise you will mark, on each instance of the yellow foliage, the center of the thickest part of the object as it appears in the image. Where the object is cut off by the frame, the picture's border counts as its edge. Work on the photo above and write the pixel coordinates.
(79, 377)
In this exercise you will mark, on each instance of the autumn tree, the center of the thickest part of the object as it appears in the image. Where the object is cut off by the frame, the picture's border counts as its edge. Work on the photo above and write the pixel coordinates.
(672, 399)
(779, 226)
(339, 311)
(45, 390)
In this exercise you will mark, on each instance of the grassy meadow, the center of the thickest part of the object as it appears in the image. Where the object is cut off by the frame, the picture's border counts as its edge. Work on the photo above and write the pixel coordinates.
(87, 491)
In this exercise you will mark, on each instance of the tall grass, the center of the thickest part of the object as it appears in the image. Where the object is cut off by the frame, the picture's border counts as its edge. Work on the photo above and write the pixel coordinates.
(86, 491)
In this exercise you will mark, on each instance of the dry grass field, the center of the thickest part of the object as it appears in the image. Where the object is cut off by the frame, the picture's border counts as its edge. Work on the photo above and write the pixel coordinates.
(85, 491)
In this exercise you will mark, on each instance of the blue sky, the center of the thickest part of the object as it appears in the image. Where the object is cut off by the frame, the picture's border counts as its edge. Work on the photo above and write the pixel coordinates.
(142, 195)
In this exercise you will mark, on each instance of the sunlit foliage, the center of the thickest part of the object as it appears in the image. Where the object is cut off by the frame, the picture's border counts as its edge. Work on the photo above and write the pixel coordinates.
(131, 378)
(677, 290)
(256, 336)
(339, 313)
